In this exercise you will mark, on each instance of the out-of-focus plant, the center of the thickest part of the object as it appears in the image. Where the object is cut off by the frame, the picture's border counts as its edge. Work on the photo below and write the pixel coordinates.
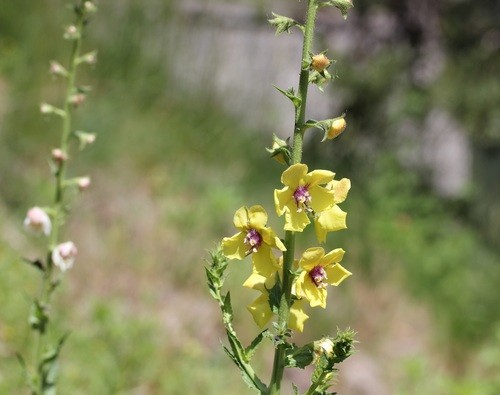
(47, 221)
(286, 284)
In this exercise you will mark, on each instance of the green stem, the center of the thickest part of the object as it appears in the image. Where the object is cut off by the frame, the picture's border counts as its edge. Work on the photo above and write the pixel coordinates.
(285, 303)
(46, 287)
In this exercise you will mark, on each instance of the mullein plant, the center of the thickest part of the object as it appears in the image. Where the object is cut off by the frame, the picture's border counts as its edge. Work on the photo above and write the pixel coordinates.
(287, 283)
(47, 221)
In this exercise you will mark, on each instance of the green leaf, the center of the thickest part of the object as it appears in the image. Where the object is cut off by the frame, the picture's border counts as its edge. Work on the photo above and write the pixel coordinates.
(290, 93)
(275, 294)
(300, 357)
(37, 263)
(250, 350)
(48, 368)
(283, 23)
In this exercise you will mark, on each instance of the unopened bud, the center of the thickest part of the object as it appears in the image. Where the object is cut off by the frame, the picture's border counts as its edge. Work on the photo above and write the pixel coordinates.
(89, 58)
(58, 155)
(57, 69)
(71, 33)
(64, 254)
(320, 62)
(37, 222)
(337, 127)
(46, 108)
(77, 99)
(89, 7)
(323, 346)
(83, 183)
(85, 138)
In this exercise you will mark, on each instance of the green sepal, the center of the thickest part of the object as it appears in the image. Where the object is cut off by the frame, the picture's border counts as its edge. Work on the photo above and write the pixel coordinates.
(295, 389)
(320, 79)
(38, 318)
(283, 23)
(342, 5)
(290, 93)
(280, 151)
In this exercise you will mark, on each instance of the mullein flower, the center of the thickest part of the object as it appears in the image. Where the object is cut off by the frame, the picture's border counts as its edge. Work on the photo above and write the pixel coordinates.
(254, 238)
(319, 270)
(261, 309)
(333, 218)
(64, 254)
(303, 194)
(37, 222)
(336, 128)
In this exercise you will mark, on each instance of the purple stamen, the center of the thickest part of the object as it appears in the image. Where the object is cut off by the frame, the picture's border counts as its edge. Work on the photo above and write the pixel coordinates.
(302, 198)
(254, 240)
(318, 274)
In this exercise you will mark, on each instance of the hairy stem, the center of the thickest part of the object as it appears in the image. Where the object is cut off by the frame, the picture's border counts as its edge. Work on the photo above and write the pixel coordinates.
(285, 303)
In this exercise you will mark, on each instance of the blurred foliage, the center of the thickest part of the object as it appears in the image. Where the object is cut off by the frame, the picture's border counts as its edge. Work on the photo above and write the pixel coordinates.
(152, 136)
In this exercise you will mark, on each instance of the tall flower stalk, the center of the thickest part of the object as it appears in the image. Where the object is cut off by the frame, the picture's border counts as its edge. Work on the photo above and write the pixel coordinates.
(286, 283)
(48, 221)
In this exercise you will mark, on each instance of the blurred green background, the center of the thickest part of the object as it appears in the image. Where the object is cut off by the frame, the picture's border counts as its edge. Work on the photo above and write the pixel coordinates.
(183, 106)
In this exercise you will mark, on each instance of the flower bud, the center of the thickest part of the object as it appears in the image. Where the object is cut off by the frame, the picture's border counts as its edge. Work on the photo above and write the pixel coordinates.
(89, 7)
(320, 62)
(90, 58)
(83, 183)
(336, 128)
(46, 108)
(77, 99)
(71, 33)
(323, 346)
(64, 254)
(85, 138)
(37, 222)
(59, 156)
(57, 69)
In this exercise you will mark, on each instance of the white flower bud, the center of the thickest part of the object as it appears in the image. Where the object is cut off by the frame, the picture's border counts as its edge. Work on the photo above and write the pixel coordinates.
(63, 256)
(58, 155)
(46, 108)
(37, 222)
(89, 7)
(57, 69)
(77, 99)
(85, 138)
(83, 183)
(71, 33)
(324, 346)
(89, 58)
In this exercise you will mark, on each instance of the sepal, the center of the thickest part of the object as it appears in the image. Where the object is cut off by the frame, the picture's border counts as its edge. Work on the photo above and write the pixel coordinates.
(283, 23)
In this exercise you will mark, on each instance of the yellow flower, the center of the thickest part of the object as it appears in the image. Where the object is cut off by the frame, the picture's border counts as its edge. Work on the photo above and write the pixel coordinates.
(254, 238)
(302, 194)
(319, 270)
(260, 308)
(333, 218)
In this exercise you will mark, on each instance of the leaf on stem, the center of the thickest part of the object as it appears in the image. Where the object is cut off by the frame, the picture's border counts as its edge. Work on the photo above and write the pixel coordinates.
(284, 24)
(290, 93)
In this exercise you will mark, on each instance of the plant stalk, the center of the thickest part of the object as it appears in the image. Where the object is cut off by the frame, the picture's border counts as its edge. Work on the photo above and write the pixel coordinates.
(285, 303)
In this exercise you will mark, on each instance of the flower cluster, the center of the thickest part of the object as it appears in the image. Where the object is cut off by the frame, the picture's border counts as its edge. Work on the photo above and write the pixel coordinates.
(307, 197)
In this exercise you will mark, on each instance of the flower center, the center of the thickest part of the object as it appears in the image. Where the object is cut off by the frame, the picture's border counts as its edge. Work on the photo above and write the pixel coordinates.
(318, 274)
(254, 240)
(302, 198)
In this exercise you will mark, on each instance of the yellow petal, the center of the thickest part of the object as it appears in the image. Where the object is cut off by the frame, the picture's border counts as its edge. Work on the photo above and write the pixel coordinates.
(330, 220)
(264, 262)
(256, 281)
(241, 219)
(281, 199)
(340, 189)
(321, 198)
(311, 257)
(297, 316)
(257, 217)
(318, 177)
(271, 239)
(336, 274)
(260, 310)
(332, 257)
(296, 221)
(234, 247)
(294, 174)
(315, 295)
